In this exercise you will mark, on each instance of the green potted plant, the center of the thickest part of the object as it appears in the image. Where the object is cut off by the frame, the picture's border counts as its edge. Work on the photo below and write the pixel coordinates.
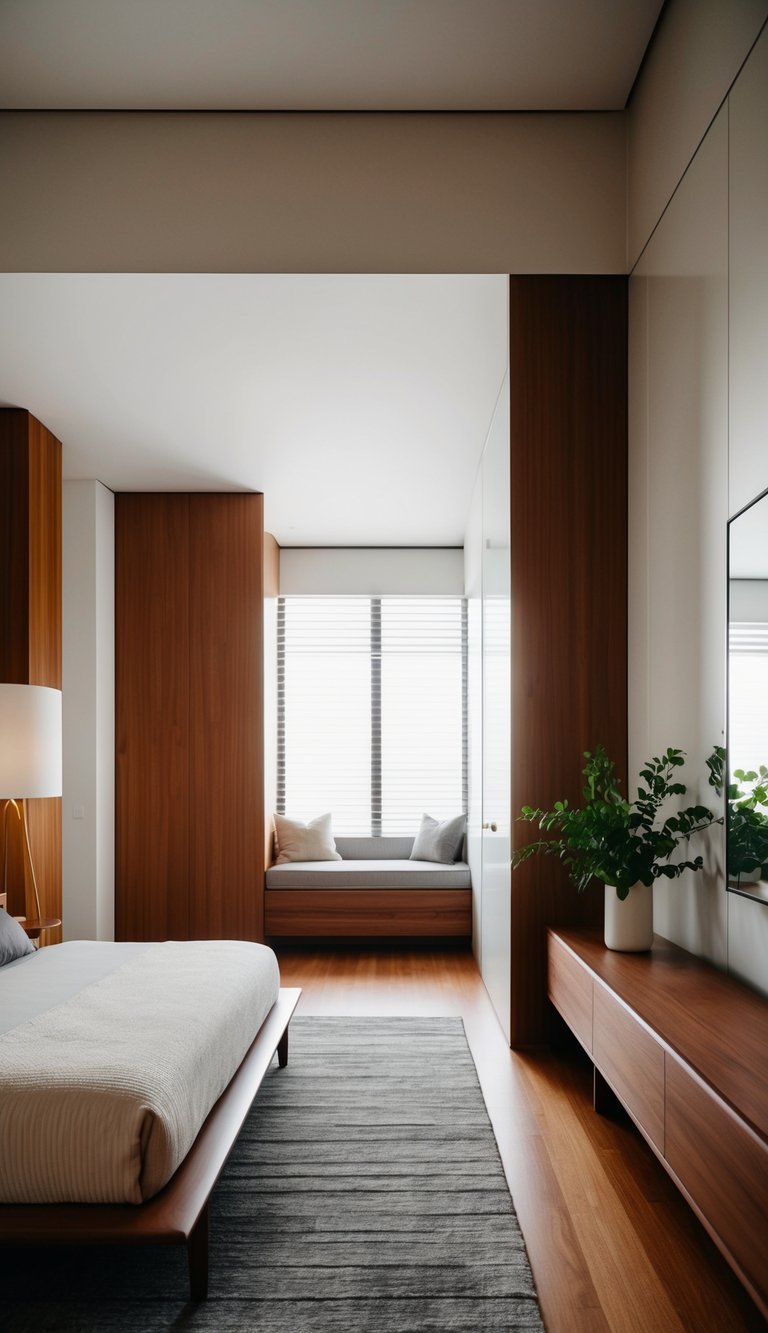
(746, 822)
(625, 844)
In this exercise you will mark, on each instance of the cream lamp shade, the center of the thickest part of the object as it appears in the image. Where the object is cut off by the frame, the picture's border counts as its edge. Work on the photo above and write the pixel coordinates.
(30, 741)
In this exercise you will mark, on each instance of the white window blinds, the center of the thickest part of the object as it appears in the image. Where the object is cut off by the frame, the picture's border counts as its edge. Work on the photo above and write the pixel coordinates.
(372, 710)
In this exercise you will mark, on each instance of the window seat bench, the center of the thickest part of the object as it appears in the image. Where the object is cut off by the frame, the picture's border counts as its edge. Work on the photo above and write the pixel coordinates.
(374, 890)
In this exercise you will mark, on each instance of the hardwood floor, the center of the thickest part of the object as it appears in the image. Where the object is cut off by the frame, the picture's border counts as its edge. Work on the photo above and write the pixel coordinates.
(612, 1244)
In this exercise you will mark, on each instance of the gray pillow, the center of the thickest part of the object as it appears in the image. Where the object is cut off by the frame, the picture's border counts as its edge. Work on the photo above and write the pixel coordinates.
(438, 841)
(14, 943)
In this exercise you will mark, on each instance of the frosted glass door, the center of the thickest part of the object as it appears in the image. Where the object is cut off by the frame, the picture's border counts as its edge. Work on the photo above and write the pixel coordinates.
(473, 587)
(495, 921)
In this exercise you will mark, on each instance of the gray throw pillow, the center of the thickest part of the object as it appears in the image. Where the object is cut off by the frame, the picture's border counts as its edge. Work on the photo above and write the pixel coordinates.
(438, 841)
(14, 942)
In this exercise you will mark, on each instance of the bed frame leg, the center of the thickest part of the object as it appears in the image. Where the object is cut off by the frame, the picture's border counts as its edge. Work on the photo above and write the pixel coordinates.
(282, 1050)
(197, 1254)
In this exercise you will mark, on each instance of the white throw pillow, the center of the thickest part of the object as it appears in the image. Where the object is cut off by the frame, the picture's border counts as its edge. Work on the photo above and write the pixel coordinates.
(304, 842)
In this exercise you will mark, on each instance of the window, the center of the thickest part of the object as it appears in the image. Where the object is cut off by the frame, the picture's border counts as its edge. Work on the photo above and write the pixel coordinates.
(372, 718)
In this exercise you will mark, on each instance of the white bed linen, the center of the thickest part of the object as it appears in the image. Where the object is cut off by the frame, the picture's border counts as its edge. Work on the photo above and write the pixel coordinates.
(43, 979)
(104, 1089)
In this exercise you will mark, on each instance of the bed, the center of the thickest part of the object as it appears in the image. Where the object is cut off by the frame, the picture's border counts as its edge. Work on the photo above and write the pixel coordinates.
(126, 1072)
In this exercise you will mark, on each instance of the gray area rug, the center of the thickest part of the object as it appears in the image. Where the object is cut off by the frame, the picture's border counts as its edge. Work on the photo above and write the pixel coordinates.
(365, 1193)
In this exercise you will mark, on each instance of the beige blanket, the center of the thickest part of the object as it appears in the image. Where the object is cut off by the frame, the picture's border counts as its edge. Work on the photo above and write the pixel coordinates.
(102, 1096)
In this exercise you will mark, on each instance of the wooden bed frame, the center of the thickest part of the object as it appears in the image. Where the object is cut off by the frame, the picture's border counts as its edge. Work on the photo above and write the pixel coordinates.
(178, 1215)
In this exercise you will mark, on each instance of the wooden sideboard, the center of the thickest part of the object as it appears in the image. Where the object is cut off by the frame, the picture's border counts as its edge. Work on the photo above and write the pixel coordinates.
(684, 1048)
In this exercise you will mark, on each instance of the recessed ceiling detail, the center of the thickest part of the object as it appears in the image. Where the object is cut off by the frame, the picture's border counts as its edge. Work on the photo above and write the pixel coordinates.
(322, 55)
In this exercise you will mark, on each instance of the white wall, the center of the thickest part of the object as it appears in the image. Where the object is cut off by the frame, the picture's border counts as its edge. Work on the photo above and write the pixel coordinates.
(678, 512)
(698, 400)
(699, 48)
(340, 193)
(748, 276)
(748, 385)
(371, 571)
(88, 686)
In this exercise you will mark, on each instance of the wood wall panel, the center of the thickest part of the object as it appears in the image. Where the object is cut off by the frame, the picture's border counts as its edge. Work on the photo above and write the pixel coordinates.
(271, 590)
(152, 716)
(190, 800)
(30, 628)
(568, 502)
(226, 725)
(14, 547)
(44, 557)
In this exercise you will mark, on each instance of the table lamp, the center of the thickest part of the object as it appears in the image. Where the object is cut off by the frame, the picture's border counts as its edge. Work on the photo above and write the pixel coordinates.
(30, 756)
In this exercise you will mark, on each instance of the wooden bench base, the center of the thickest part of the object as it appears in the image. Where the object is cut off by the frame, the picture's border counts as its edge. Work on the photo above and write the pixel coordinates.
(178, 1215)
(373, 912)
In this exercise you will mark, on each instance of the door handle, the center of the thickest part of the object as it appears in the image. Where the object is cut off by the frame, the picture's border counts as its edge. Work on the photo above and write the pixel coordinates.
(492, 827)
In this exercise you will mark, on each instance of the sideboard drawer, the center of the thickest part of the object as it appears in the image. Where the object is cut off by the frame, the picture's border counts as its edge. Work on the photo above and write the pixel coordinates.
(632, 1061)
(723, 1166)
(569, 986)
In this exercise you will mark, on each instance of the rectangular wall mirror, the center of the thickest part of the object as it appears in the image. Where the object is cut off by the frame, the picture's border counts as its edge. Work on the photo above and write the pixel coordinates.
(747, 723)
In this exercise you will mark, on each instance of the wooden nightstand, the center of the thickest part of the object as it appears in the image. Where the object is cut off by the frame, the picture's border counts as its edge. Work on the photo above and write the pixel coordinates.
(35, 928)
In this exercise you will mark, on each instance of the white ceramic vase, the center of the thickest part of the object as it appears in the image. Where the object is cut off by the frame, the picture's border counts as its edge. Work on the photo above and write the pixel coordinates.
(629, 921)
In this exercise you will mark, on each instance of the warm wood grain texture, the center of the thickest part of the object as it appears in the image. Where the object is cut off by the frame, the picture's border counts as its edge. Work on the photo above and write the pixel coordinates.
(717, 1025)
(569, 988)
(632, 1062)
(318, 912)
(704, 1111)
(14, 546)
(568, 479)
(177, 1215)
(226, 736)
(271, 591)
(723, 1168)
(190, 821)
(44, 556)
(613, 1244)
(30, 628)
(152, 863)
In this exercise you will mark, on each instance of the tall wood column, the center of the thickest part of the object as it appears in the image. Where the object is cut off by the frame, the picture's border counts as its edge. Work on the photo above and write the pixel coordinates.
(30, 624)
(189, 717)
(568, 478)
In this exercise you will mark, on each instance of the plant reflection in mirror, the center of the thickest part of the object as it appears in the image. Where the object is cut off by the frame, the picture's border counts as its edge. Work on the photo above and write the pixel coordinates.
(746, 824)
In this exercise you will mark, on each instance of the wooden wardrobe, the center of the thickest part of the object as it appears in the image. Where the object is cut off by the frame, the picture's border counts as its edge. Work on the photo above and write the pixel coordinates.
(30, 629)
(189, 716)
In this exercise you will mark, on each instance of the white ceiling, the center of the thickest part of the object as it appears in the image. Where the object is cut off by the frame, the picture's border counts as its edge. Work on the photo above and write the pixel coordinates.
(322, 54)
(358, 404)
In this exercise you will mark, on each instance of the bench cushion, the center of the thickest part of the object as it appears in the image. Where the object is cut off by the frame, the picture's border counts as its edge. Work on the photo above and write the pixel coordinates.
(369, 874)
(367, 848)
